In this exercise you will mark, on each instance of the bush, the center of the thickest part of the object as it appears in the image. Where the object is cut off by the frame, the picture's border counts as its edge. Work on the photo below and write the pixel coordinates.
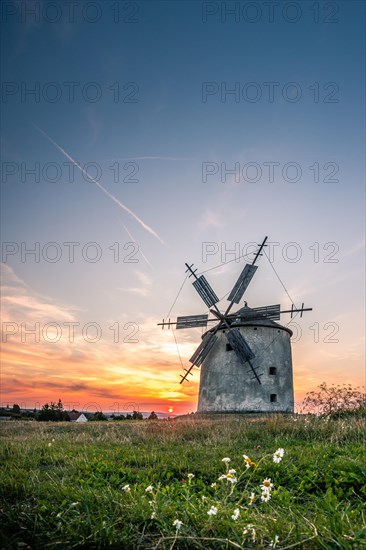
(337, 400)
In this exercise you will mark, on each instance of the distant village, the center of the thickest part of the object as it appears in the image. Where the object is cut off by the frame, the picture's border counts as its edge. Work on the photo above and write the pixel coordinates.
(55, 412)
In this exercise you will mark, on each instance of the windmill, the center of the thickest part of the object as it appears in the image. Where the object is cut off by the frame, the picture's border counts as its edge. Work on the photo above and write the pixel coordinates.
(258, 375)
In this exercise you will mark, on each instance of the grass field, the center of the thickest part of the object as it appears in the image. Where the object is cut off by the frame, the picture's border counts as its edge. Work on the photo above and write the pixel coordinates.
(124, 485)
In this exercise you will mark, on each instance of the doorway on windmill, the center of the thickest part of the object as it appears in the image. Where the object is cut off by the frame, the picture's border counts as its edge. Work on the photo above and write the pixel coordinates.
(273, 397)
(229, 347)
(272, 371)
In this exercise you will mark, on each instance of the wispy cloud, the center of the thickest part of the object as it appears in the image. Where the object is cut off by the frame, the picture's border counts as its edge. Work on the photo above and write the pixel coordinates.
(209, 219)
(100, 186)
(20, 303)
(356, 248)
(135, 290)
(143, 278)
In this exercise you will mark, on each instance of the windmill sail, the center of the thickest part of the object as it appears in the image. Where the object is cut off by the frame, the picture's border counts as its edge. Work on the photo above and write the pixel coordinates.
(239, 345)
(190, 321)
(271, 312)
(242, 283)
(205, 291)
(203, 349)
(242, 350)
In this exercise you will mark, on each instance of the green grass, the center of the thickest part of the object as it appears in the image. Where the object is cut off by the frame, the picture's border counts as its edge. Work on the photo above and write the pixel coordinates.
(62, 484)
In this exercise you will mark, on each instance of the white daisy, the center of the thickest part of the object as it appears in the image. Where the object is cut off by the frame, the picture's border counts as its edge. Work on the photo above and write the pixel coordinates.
(177, 523)
(251, 499)
(267, 484)
(278, 455)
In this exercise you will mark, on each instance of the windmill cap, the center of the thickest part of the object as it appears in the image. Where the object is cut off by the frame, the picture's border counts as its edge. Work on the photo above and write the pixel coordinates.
(247, 316)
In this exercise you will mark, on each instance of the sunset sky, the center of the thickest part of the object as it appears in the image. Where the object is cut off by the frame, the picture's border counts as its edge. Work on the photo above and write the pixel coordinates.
(198, 132)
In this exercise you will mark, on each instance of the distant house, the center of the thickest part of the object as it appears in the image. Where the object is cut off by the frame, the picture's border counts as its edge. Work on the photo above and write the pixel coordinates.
(77, 417)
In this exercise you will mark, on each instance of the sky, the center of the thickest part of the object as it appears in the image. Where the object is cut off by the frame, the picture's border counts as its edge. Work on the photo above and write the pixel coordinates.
(137, 136)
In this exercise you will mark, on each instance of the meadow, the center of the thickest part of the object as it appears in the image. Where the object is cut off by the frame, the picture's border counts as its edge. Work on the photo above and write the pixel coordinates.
(164, 484)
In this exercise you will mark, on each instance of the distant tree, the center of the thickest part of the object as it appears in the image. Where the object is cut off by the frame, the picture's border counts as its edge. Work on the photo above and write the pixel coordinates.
(28, 415)
(137, 415)
(153, 416)
(16, 409)
(98, 417)
(128, 417)
(119, 417)
(53, 413)
(337, 400)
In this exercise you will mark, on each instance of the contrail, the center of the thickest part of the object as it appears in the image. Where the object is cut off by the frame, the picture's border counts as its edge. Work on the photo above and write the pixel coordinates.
(134, 240)
(114, 199)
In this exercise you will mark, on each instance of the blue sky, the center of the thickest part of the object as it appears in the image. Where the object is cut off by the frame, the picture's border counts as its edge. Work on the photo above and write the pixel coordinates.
(162, 129)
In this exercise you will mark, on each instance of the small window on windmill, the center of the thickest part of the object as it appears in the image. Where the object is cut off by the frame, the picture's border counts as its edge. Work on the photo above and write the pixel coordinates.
(255, 328)
(273, 397)
(272, 371)
(228, 347)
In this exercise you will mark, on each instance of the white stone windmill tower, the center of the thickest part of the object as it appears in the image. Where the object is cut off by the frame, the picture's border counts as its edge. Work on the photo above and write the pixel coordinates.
(245, 360)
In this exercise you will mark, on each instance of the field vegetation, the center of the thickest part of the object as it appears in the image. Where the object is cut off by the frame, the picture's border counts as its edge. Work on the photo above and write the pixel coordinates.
(285, 482)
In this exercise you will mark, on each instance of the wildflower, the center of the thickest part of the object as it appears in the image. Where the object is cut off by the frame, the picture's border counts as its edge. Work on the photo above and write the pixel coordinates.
(153, 515)
(235, 514)
(250, 530)
(278, 455)
(232, 472)
(274, 542)
(149, 489)
(212, 511)
(126, 488)
(226, 460)
(50, 444)
(267, 484)
(251, 499)
(248, 461)
(266, 496)
(231, 478)
(190, 476)
(177, 523)
(213, 484)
